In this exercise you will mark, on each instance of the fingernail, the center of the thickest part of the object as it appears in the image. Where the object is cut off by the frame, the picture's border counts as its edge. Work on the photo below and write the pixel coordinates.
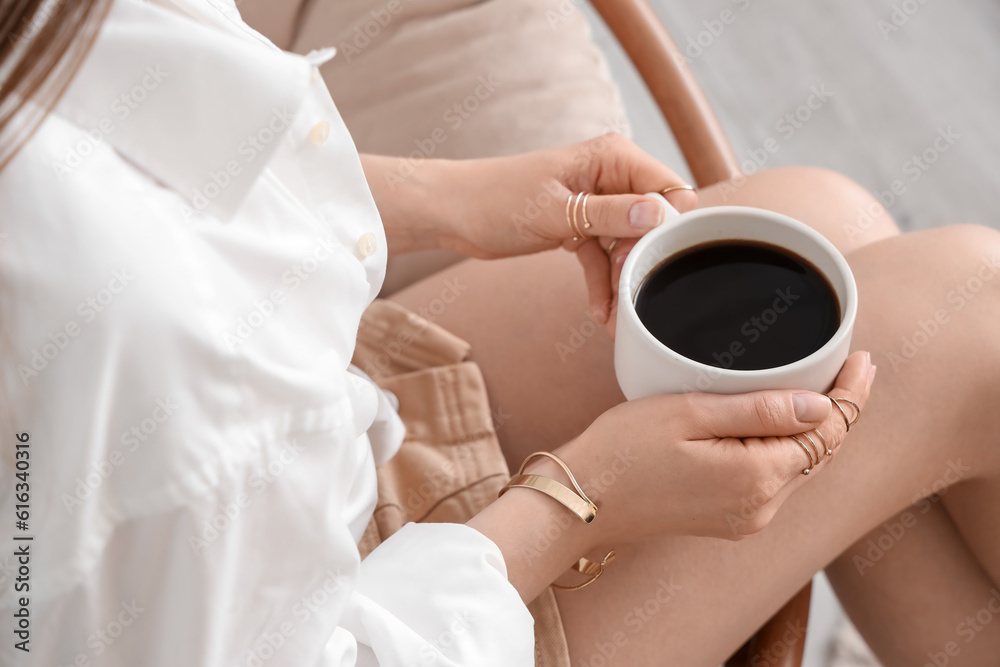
(868, 358)
(871, 376)
(646, 214)
(810, 407)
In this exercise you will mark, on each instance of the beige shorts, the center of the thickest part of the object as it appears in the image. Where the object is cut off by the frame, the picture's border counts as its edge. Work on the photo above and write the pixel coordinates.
(450, 465)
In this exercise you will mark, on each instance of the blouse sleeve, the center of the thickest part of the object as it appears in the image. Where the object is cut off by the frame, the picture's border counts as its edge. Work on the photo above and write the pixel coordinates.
(437, 594)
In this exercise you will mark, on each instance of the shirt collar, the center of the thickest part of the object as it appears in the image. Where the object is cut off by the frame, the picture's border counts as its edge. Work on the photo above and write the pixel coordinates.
(190, 94)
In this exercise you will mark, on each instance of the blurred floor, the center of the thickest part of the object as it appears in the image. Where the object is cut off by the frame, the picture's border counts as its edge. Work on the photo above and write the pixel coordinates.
(891, 88)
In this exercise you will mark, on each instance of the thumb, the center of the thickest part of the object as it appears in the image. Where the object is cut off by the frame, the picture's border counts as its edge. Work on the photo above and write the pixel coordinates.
(626, 216)
(778, 413)
(760, 414)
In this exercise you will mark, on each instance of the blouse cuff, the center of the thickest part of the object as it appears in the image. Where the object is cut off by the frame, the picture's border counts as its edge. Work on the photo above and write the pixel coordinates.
(437, 594)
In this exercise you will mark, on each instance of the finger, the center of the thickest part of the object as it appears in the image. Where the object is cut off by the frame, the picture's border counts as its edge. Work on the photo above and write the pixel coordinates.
(682, 200)
(617, 259)
(596, 270)
(616, 254)
(775, 413)
(812, 449)
(854, 379)
(853, 383)
(623, 216)
(627, 168)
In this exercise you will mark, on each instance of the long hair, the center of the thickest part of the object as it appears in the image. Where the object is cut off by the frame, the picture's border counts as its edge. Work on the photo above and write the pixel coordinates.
(42, 43)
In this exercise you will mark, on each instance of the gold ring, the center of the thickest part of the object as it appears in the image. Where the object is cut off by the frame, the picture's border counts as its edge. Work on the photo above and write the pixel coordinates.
(677, 187)
(612, 246)
(583, 205)
(576, 229)
(574, 203)
(848, 422)
(812, 443)
(826, 446)
(810, 453)
(568, 221)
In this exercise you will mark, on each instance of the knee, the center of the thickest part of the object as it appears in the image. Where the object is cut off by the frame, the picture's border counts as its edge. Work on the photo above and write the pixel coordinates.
(853, 216)
(837, 207)
(974, 251)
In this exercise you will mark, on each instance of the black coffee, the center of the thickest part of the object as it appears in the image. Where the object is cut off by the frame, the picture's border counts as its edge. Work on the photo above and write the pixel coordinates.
(739, 304)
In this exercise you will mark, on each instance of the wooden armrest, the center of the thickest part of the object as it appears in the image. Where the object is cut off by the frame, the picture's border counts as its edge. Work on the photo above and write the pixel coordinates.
(672, 84)
(782, 640)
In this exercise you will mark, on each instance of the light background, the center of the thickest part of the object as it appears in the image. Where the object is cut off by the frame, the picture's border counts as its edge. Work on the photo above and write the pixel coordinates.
(890, 94)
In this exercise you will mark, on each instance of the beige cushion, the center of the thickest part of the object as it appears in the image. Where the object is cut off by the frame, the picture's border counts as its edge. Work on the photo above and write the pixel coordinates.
(458, 79)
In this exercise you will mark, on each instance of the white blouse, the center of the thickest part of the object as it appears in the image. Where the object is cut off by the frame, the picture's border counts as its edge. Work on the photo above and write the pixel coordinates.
(186, 248)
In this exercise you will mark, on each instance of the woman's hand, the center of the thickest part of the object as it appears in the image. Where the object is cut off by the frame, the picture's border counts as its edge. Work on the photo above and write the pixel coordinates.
(704, 464)
(518, 205)
(691, 464)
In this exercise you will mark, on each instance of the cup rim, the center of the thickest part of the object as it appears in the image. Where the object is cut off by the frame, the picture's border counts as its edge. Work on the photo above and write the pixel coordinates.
(846, 322)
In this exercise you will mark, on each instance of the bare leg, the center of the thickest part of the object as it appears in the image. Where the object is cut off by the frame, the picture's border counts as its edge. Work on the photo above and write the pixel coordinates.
(926, 411)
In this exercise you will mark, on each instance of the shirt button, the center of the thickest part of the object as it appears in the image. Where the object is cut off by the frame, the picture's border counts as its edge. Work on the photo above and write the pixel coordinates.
(367, 245)
(319, 133)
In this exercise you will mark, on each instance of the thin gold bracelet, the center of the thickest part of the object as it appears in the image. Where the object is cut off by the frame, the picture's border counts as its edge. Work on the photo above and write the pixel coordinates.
(587, 566)
(578, 502)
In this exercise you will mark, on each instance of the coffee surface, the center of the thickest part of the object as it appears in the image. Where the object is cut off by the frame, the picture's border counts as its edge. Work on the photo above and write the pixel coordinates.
(740, 305)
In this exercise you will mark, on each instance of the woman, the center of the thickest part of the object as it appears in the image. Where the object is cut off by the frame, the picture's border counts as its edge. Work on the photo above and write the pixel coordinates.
(190, 245)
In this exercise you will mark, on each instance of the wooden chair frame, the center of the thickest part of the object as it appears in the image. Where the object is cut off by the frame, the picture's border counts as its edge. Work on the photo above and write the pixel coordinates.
(711, 160)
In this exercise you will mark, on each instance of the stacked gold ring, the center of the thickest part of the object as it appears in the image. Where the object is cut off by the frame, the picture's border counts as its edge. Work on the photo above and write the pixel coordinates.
(857, 411)
(813, 451)
(574, 205)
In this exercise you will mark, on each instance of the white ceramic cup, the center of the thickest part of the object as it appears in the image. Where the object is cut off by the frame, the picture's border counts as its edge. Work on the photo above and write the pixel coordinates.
(645, 366)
